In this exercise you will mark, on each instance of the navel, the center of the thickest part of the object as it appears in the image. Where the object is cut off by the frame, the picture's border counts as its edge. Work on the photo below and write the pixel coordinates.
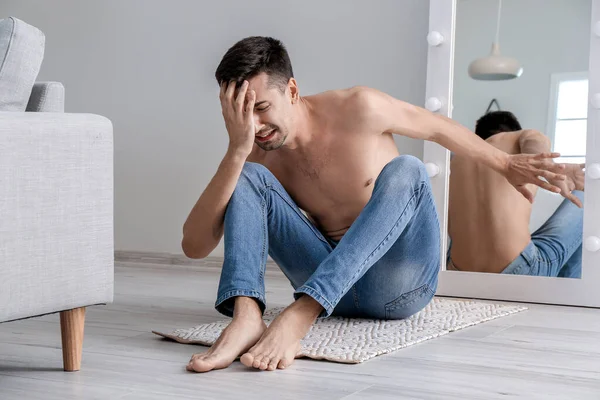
(369, 182)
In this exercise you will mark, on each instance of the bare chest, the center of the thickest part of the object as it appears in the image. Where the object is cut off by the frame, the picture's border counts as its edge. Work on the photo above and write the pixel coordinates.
(333, 181)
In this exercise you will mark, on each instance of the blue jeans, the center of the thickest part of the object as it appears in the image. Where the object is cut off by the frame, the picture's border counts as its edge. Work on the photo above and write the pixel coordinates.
(555, 249)
(385, 266)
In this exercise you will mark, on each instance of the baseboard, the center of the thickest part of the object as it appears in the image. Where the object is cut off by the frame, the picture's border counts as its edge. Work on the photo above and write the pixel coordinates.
(148, 257)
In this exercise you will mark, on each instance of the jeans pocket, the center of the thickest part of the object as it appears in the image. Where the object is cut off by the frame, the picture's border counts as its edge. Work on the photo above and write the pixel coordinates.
(522, 266)
(409, 303)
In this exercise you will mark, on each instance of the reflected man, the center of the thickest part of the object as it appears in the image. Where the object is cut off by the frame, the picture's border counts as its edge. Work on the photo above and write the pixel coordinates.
(488, 219)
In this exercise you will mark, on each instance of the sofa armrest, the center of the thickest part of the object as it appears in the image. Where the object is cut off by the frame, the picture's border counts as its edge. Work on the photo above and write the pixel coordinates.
(56, 213)
(47, 97)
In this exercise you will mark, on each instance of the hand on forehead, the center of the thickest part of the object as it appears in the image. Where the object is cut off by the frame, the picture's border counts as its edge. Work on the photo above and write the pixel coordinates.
(231, 89)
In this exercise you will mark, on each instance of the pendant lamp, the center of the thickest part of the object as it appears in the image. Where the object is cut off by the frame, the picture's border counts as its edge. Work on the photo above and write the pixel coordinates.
(495, 67)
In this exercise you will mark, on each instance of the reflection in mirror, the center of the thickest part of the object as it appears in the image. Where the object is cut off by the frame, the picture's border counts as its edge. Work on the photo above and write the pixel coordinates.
(539, 106)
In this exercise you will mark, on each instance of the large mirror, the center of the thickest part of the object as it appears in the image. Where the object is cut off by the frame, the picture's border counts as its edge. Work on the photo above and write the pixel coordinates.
(520, 82)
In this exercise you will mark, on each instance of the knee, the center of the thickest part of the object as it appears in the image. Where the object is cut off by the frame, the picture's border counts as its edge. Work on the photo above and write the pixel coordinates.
(252, 182)
(253, 174)
(404, 170)
(408, 164)
(253, 170)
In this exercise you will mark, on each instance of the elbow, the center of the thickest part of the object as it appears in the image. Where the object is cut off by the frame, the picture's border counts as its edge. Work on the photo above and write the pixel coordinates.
(548, 143)
(532, 134)
(192, 250)
(544, 139)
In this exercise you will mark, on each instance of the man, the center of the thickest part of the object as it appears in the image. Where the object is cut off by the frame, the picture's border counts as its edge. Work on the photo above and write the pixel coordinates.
(317, 183)
(489, 221)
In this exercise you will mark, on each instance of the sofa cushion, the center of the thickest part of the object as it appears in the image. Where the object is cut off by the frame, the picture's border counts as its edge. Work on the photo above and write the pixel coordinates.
(21, 54)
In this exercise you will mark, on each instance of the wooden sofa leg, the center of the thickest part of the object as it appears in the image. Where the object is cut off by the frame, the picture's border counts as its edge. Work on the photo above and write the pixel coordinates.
(71, 328)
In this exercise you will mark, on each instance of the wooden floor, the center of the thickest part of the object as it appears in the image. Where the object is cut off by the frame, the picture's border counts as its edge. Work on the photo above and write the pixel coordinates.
(545, 353)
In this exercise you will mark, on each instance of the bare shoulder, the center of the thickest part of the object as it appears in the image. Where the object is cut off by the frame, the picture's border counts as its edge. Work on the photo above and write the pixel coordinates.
(376, 108)
(352, 97)
(355, 107)
(364, 98)
(506, 141)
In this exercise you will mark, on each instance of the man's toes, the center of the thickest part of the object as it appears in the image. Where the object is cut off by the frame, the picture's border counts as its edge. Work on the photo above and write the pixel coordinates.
(273, 364)
(264, 363)
(247, 359)
(284, 363)
(199, 365)
(199, 356)
(257, 361)
(192, 360)
(203, 364)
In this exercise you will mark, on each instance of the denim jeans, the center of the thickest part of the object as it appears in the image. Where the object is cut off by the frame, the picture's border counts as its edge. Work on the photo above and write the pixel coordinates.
(386, 265)
(555, 249)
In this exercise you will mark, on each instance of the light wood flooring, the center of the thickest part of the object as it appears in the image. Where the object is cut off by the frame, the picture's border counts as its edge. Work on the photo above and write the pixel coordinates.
(547, 352)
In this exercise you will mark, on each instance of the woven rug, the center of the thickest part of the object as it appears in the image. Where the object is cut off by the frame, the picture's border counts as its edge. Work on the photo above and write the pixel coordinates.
(354, 340)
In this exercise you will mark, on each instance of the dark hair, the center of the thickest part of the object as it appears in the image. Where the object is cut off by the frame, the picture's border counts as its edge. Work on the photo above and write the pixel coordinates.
(252, 56)
(495, 122)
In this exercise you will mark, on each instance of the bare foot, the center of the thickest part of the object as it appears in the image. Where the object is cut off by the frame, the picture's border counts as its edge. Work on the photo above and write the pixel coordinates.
(236, 339)
(280, 343)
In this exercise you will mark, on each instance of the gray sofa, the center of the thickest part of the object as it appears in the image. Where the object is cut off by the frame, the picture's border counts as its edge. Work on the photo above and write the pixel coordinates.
(56, 196)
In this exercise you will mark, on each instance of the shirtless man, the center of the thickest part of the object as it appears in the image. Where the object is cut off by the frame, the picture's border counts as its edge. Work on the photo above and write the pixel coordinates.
(317, 183)
(488, 220)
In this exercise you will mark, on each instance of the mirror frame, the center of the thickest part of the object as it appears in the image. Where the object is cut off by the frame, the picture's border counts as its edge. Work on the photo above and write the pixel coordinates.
(522, 288)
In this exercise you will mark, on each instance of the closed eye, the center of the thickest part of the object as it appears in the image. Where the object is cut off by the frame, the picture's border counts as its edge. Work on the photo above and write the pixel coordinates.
(261, 105)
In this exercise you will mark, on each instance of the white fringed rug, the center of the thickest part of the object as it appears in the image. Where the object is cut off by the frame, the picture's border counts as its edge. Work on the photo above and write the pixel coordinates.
(354, 340)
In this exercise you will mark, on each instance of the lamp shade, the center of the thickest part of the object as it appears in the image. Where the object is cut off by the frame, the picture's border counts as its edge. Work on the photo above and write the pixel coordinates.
(495, 67)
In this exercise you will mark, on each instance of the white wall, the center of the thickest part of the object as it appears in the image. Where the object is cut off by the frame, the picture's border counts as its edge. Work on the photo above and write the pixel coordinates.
(546, 36)
(148, 65)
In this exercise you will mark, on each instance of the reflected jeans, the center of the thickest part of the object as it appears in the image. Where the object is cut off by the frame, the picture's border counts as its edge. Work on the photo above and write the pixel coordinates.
(385, 266)
(555, 249)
